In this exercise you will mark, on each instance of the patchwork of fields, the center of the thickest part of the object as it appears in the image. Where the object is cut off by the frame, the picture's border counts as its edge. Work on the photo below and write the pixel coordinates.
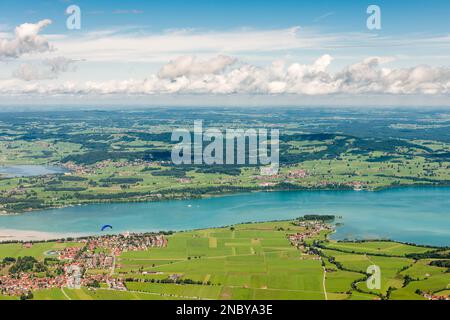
(257, 261)
(130, 159)
(249, 262)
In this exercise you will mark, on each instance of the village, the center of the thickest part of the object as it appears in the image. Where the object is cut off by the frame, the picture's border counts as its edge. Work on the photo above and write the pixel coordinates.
(270, 179)
(312, 228)
(68, 267)
(434, 296)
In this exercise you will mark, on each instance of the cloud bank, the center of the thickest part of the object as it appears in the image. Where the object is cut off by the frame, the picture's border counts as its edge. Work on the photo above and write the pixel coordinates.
(223, 74)
(191, 66)
(227, 75)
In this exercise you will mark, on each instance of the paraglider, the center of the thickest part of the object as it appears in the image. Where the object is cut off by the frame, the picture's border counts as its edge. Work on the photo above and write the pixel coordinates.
(106, 227)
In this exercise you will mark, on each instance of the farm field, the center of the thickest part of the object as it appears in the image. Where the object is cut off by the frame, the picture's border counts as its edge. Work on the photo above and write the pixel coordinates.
(130, 160)
(39, 250)
(251, 261)
(377, 247)
(257, 261)
(224, 158)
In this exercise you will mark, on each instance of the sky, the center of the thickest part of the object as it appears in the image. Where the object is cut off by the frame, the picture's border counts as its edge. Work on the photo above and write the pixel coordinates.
(225, 52)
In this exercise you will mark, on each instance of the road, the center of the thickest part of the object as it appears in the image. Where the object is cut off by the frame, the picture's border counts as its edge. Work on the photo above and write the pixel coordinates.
(323, 282)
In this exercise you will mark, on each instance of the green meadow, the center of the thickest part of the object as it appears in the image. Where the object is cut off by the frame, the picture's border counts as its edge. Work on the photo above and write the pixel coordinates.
(252, 261)
(130, 159)
(257, 261)
(38, 250)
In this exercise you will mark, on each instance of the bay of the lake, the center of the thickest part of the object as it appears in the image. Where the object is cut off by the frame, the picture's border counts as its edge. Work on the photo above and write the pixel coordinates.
(419, 214)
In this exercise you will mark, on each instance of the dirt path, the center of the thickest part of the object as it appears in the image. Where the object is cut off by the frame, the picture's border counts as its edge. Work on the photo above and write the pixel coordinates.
(323, 283)
(65, 294)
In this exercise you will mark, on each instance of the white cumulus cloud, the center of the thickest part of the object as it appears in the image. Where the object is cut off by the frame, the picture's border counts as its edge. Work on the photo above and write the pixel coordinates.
(191, 66)
(226, 75)
(26, 40)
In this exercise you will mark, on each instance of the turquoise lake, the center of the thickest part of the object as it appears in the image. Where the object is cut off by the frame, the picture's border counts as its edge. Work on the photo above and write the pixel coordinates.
(419, 215)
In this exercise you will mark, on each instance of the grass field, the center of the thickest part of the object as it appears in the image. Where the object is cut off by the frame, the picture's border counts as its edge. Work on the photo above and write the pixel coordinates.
(38, 250)
(377, 247)
(256, 261)
(114, 165)
(251, 261)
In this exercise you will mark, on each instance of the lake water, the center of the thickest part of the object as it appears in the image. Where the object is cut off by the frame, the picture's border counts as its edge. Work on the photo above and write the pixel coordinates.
(29, 170)
(420, 215)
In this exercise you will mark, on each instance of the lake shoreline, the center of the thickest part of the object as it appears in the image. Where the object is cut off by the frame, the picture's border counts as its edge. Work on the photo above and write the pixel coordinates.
(30, 170)
(15, 235)
(224, 194)
(32, 236)
(390, 214)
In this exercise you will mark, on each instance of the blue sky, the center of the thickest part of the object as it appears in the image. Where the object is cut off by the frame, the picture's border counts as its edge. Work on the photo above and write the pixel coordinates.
(398, 16)
(227, 48)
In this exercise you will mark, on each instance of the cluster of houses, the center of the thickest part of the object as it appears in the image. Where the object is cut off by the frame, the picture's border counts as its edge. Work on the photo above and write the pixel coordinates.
(96, 253)
(355, 185)
(297, 173)
(76, 169)
(311, 229)
(82, 170)
(435, 296)
(293, 175)
(266, 173)
(119, 243)
(90, 260)
(26, 282)
(69, 253)
(116, 284)
(19, 190)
